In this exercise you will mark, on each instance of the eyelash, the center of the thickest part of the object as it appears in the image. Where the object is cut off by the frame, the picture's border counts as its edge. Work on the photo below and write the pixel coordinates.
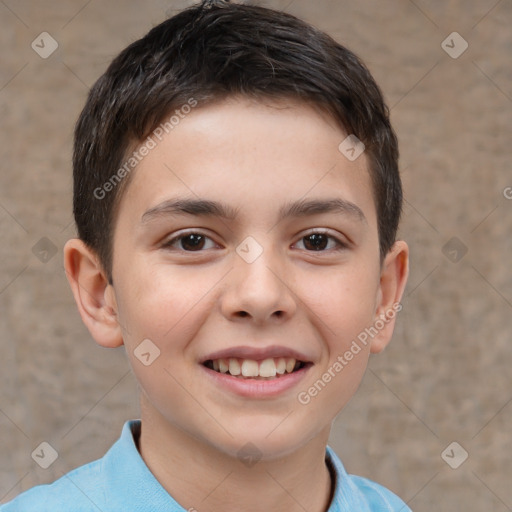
(340, 245)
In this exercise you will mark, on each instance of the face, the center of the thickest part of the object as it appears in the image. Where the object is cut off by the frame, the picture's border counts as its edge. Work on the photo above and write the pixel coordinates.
(246, 236)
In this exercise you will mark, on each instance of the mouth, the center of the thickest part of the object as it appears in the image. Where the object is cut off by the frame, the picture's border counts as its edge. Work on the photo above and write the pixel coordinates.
(265, 369)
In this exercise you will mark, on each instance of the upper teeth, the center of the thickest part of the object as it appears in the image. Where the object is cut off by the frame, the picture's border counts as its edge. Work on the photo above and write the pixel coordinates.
(251, 368)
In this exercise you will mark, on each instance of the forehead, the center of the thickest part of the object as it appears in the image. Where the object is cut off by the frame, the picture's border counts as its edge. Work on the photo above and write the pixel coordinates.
(251, 154)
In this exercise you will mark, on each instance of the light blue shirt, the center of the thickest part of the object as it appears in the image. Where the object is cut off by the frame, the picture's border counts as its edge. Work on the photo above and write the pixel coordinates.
(121, 482)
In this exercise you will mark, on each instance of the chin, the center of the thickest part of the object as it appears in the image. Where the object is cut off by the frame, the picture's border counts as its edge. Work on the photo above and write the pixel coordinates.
(265, 440)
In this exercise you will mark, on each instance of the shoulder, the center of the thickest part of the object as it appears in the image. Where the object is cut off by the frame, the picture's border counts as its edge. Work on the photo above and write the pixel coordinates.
(82, 487)
(377, 496)
(117, 482)
(358, 493)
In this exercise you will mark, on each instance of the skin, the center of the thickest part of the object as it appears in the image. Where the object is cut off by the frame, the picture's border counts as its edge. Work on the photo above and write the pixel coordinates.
(255, 157)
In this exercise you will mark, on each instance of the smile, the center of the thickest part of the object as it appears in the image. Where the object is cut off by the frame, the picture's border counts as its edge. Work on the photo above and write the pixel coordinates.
(256, 379)
(270, 368)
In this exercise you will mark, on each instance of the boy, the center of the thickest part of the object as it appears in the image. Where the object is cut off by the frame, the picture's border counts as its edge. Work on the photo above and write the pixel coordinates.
(237, 197)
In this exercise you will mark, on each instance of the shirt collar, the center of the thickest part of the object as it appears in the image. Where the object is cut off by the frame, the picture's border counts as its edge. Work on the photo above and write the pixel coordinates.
(129, 481)
(346, 495)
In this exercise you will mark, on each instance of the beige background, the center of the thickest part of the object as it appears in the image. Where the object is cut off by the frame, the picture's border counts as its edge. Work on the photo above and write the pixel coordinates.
(446, 377)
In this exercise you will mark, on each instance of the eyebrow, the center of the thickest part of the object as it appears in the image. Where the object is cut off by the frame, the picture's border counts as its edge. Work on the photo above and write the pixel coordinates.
(207, 208)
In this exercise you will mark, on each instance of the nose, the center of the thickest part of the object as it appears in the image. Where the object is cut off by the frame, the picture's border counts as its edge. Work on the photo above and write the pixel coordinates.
(260, 291)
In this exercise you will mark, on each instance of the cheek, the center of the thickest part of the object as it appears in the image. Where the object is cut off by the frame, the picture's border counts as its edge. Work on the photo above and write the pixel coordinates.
(347, 309)
(156, 313)
(343, 303)
(163, 303)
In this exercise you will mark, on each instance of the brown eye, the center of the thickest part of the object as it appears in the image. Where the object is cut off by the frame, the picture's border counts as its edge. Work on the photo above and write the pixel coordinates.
(316, 242)
(189, 242)
(322, 242)
(192, 242)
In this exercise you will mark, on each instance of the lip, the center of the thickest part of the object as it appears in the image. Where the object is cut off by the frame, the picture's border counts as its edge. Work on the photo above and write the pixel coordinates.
(255, 388)
(257, 353)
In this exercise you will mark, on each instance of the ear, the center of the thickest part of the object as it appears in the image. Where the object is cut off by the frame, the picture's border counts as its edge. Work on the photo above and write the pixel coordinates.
(94, 296)
(393, 278)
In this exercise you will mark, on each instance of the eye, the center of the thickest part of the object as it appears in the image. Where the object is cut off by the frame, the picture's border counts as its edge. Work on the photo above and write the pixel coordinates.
(189, 242)
(319, 242)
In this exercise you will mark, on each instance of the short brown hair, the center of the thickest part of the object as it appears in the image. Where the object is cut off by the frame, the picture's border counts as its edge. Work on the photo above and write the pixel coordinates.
(207, 52)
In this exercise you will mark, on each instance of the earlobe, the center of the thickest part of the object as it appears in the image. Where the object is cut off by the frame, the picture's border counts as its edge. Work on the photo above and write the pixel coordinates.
(394, 274)
(94, 296)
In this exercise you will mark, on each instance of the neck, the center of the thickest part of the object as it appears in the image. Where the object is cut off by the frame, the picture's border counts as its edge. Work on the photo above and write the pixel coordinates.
(200, 478)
